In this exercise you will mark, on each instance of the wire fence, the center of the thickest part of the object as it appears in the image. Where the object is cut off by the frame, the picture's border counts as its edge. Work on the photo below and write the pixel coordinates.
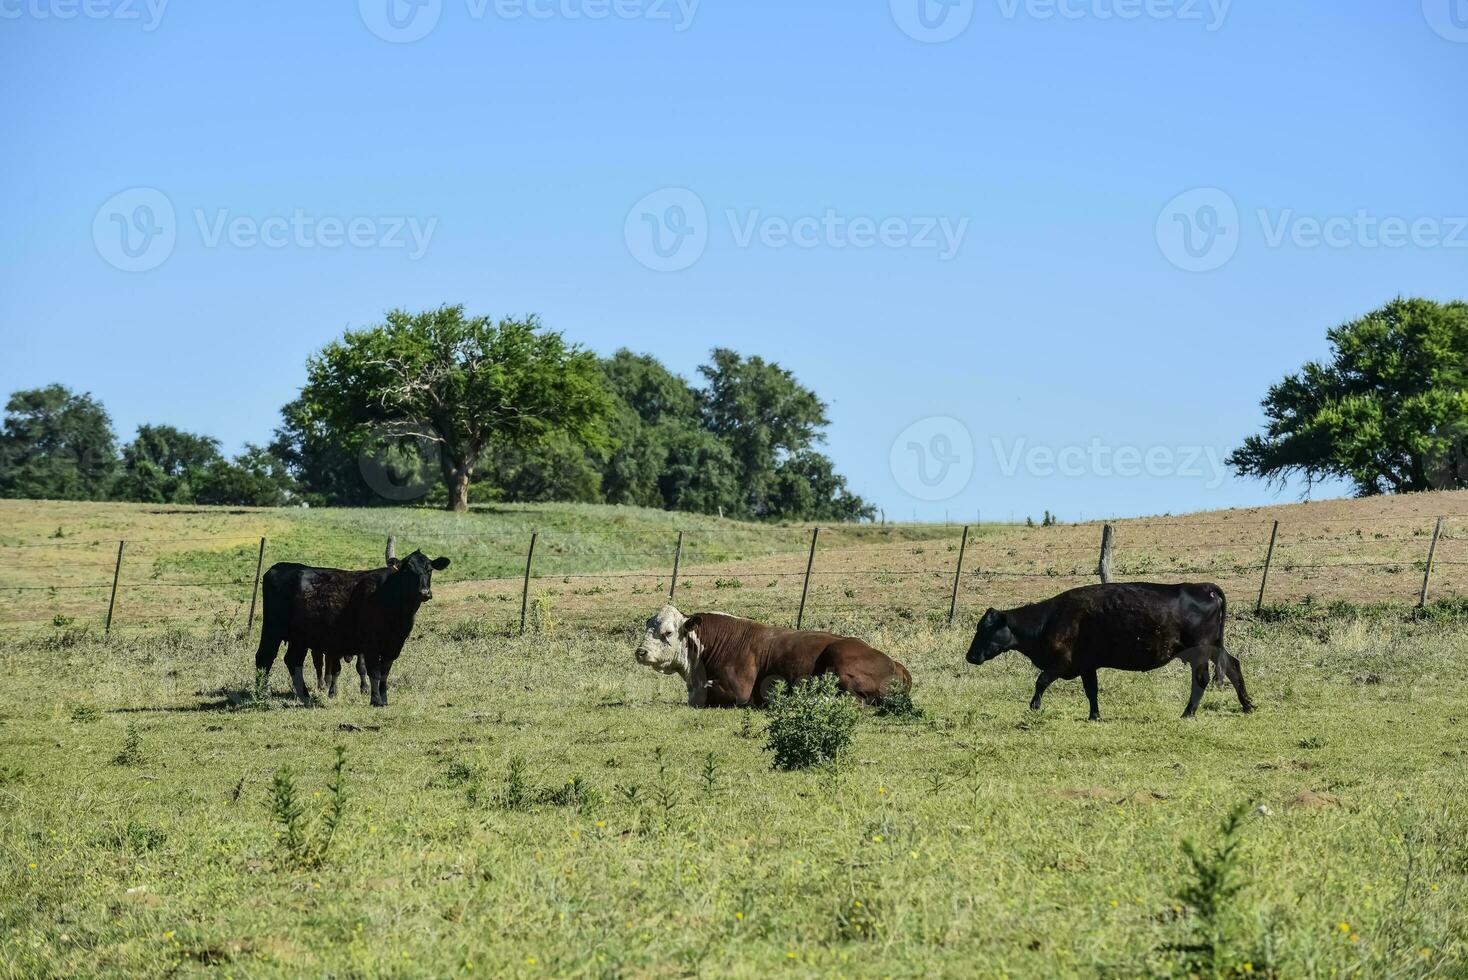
(801, 576)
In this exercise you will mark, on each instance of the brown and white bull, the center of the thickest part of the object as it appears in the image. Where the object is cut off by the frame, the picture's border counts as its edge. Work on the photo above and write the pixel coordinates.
(731, 662)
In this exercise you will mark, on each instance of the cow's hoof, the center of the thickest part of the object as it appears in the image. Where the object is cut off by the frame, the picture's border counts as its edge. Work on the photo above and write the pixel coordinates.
(1094, 718)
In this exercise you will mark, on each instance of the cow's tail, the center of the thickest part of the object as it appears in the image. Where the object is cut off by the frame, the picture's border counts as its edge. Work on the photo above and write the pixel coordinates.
(1222, 658)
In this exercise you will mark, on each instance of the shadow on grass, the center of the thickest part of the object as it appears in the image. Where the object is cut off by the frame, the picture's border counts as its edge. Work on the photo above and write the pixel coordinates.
(223, 699)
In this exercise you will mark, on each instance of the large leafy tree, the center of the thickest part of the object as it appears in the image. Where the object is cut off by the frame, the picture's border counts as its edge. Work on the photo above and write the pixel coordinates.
(462, 384)
(1388, 411)
(156, 465)
(765, 416)
(57, 445)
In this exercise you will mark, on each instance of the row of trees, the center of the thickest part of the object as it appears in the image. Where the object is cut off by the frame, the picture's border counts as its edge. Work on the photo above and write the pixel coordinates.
(456, 404)
(461, 405)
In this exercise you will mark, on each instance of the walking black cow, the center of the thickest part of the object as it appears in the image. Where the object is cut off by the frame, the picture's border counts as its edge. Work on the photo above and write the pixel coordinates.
(1121, 626)
(340, 614)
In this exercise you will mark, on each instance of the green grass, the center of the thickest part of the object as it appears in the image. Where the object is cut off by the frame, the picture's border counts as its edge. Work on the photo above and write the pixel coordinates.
(538, 806)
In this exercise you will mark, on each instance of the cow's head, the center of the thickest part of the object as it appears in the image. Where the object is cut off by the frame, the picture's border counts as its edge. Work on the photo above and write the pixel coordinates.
(413, 576)
(992, 638)
(667, 641)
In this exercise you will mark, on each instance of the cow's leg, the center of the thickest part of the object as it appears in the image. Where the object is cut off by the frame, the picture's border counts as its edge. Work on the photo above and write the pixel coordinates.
(318, 661)
(1043, 681)
(1088, 679)
(378, 671)
(1200, 684)
(333, 668)
(295, 661)
(362, 674)
(1235, 675)
(265, 659)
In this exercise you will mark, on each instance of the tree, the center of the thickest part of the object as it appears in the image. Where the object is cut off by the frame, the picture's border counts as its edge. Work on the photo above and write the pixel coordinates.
(156, 465)
(462, 384)
(807, 487)
(254, 478)
(321, 460)
(770, 421)
(1388, 412)
(56, 445)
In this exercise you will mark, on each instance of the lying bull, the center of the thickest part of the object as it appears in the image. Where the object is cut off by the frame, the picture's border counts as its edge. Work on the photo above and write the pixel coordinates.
(1120, 626)
(730, 662)
(340, 614)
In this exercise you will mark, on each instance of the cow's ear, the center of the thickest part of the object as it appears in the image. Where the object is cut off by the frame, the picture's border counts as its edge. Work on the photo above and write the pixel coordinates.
(689, 625)
(440, 564)
(395, 563)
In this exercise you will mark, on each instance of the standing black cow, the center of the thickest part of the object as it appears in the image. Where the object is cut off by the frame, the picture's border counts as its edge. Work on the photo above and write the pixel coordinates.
(1122, 626)
(341, 614)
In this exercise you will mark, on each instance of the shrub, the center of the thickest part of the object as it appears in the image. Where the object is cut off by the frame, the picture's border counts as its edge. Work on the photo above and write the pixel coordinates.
(897, 703)
(809, 723)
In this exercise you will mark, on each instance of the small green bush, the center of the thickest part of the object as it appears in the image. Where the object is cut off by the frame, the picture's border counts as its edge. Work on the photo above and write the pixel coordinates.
(809, 723)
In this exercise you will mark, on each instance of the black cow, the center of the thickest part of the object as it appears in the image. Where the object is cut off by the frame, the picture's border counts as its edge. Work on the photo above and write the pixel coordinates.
(1121, 626)
(342, 614)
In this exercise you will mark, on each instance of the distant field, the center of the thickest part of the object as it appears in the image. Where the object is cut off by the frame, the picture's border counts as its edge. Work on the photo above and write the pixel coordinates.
(596, 565)
(137, 838)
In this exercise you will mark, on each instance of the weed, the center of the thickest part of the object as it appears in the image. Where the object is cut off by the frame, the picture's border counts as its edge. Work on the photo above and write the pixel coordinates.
(131, 752)
(304, 846)
(810, 723)
(516, 794)
(84, 714)
(710, 775)
(542, 613)
(1216, 880)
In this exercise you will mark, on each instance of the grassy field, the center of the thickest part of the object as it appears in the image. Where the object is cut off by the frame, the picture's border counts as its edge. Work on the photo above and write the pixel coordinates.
(643, 838)
(538, 805)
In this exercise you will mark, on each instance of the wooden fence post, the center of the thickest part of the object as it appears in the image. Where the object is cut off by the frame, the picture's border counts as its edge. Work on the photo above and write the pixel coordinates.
(957, 576)
(1431, 555)
(1268, 560)
(1104, 568)
(677, 558)
(255, 592)
(525, 591)
(116, 574)
(392, 547)
(815, 533)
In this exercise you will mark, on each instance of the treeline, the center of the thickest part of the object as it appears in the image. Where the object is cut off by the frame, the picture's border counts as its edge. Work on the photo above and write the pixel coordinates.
(434, 407)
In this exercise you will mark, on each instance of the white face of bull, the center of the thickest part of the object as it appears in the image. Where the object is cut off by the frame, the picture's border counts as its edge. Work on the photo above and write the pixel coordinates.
(664, 647)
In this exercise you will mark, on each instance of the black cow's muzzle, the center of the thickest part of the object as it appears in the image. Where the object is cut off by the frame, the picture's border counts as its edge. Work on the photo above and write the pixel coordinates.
(425, 595)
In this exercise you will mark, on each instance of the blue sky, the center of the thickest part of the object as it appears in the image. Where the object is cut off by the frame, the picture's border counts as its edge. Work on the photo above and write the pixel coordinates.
(1093, 297)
